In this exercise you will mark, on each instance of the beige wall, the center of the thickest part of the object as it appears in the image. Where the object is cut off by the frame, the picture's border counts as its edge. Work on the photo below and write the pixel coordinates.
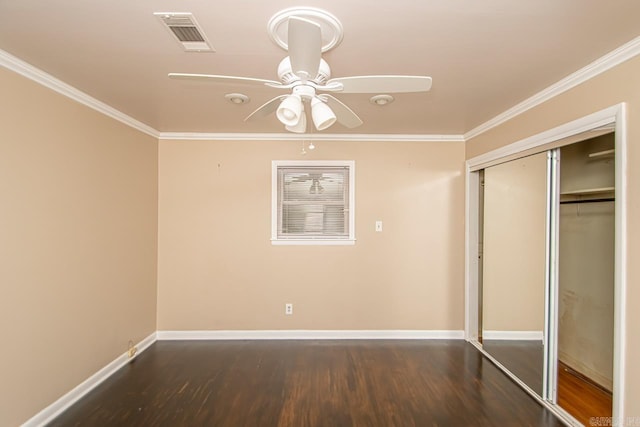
(219, 271)
(78, 223)
(620, 84)
(585, 313)
(514, 257)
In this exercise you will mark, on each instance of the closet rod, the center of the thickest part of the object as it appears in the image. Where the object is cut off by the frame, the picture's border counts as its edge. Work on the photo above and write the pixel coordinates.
(606, 199)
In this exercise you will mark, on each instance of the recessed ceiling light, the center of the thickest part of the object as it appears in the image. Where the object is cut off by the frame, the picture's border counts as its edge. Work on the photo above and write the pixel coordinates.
(237, 98)
(381, 99)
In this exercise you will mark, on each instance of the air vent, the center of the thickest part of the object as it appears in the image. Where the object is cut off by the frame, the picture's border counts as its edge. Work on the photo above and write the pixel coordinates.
(185, 29)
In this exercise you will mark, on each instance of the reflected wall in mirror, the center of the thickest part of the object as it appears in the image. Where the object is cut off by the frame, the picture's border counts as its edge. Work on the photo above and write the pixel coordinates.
(514, 264)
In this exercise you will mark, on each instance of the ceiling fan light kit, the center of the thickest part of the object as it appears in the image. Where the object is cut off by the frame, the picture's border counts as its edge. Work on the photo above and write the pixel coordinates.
(323, 116)
(289, 110)
(301, 126)
(305, 33)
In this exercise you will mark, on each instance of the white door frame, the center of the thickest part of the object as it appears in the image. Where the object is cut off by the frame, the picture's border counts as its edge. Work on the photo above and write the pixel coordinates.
(614, 116)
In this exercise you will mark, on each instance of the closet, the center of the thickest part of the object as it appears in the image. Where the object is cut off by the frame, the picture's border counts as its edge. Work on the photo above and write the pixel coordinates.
(586, 276)
(546, 271)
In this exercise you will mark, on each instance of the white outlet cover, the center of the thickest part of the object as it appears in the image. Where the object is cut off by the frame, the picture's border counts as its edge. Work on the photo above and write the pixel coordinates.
(378, 226)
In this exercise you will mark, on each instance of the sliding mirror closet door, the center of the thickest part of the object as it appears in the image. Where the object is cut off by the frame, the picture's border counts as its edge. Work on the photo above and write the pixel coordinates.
(514, 266)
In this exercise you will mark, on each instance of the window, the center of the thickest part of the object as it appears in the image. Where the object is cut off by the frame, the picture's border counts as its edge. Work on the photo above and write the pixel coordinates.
(313, 202)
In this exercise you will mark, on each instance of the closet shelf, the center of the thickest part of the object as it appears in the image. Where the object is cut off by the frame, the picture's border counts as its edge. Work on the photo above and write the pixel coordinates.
(588, 191)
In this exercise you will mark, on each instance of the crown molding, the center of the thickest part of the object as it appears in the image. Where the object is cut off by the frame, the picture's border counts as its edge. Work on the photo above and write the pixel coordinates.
(35, 74)
(47, 80)
(616, 57)
(194, 136)
(599, 66)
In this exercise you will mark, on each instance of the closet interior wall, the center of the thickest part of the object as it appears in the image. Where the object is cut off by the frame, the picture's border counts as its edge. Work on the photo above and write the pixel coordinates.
(586, 258)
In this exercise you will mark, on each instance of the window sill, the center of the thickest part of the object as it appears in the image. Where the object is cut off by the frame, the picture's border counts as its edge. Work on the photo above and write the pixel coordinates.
(313, 242)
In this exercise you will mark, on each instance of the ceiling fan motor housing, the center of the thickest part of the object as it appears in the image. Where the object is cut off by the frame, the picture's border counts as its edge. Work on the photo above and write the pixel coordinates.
(286, 75)
(305, 92)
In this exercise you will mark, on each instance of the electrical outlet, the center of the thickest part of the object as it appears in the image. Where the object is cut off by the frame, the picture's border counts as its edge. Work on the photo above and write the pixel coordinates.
(288, 309)
(378, 226)
(132, 350)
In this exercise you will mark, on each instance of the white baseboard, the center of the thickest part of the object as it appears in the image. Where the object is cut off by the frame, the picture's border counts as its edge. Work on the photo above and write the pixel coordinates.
(594, 375)
(310, 334)
(512, 335)
(56, 408)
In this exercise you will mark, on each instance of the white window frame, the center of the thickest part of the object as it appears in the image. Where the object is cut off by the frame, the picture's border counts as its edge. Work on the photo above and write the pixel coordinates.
(348, 240)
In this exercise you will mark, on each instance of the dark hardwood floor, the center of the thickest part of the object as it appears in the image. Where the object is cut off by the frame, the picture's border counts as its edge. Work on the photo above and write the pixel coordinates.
(308, 383)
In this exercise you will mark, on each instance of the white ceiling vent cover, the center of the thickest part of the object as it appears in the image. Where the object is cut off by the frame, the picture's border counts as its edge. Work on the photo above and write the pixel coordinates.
(185, 29)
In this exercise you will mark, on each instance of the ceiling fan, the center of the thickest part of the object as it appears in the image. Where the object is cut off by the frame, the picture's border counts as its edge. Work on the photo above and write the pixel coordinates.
(307, 77)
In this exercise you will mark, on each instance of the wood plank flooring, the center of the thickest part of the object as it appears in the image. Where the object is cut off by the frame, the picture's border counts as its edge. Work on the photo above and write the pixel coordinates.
(580, 398)
(308, 383)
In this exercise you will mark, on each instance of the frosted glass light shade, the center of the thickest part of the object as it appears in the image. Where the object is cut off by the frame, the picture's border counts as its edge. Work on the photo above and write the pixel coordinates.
(301, 126)
(322, 115)
(290, 110)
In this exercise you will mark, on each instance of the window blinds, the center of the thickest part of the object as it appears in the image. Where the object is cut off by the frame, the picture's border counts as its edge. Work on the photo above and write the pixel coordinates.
(313, 202)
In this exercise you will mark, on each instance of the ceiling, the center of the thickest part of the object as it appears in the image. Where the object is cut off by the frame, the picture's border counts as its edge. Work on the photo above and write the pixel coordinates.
(484, 56)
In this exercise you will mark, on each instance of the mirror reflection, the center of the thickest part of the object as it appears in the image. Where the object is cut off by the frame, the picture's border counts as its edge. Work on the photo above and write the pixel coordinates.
(513, 266)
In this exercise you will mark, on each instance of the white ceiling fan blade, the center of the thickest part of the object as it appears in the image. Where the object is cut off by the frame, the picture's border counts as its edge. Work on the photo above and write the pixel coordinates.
(223, 79)
(380, 84)
(344, 114)
(305, 47)
(266, 108)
